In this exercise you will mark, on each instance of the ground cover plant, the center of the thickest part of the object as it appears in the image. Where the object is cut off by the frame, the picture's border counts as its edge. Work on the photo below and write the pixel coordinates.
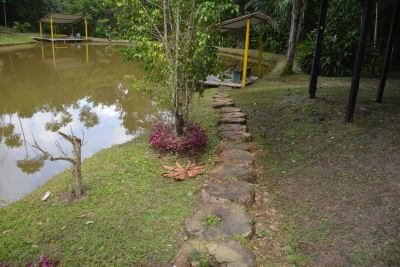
(129, 216)
(164, 139)
(328, 191)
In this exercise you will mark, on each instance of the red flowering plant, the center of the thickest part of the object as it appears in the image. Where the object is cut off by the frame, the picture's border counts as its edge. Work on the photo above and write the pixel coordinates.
(163, 139)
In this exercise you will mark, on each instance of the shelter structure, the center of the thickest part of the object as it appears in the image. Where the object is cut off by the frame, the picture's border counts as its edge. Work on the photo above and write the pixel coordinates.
(245, 22)
(365, 25)
(62, 18)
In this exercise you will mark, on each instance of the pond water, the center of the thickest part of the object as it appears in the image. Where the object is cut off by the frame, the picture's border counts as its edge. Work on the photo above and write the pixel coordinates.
(78, 88)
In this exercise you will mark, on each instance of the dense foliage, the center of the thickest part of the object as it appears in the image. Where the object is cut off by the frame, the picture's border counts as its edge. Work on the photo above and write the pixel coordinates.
(163, 139)
(175, 42)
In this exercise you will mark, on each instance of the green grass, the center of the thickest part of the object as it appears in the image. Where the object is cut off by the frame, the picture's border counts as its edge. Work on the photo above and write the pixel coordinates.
(137, 214)
(212, 220)
(334, 185)
(9, 36)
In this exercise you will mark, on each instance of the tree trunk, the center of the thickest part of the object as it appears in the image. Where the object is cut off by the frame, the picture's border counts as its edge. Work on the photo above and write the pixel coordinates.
(375, 52)
(296, 13)
(77, 165)
(179, 121)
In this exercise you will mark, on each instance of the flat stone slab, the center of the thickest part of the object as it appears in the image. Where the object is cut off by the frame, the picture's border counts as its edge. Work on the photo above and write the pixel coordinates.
(239, 192)
(221, 104)
(233, 115)
(231, 145)
(232, 121)
(230, 110)
(234, 222)
(232, 127)
(235, 136)
(227, 253)
(221, 95)
(236, 156)
(234, 170)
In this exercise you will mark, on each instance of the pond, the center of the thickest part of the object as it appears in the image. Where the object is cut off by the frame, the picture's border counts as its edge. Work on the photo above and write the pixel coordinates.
(78, 88)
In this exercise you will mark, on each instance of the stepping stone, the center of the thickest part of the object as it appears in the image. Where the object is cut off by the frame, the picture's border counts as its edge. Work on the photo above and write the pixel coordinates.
(234, 170)
(235, 136)
(233, 115)
(239, 192)
(230, 145)
(221, 95)
(230, 110)
(233, 222)
(236, 156)
(227, 253)
(232, 127)
(221, 104)
(232, 121)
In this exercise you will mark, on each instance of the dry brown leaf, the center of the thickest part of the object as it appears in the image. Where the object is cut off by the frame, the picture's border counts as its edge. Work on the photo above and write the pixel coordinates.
(180, 173)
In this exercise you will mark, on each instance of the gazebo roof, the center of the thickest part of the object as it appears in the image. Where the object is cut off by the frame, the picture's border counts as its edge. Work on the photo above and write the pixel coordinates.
(240, 22)
(62, 18)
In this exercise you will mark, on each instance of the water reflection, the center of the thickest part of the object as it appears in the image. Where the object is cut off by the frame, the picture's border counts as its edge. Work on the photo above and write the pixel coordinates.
(76, 87)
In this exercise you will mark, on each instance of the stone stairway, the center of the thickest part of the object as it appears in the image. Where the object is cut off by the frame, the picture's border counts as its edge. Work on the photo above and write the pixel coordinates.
(215, 230)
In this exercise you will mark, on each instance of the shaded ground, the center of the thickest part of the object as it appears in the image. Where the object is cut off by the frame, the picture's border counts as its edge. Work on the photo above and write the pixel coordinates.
(136, 215)
(9, 36)
(328, 191)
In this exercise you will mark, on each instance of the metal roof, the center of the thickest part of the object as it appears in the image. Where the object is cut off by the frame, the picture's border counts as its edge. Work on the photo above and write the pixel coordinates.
(62, 18)
(240, 22)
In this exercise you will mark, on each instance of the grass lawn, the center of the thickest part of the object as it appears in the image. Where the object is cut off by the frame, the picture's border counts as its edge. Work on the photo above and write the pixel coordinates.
(328, 191)
(9, 36)
(137, 215)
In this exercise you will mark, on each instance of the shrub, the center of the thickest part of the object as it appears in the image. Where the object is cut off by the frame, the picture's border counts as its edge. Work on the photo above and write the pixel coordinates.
(164, 139)
(22, 27)
(336, 55)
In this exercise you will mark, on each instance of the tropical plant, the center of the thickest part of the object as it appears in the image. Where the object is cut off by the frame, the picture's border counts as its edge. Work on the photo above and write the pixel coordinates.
(175, 40)
(22, 27)
(336, 56)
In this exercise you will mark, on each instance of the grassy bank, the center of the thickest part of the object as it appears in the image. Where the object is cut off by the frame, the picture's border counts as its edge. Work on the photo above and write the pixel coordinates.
(330, 190)
(11, 37)
(130, 215)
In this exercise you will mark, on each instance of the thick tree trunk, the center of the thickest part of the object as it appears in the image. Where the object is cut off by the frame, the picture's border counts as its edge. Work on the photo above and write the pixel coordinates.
(296, 13)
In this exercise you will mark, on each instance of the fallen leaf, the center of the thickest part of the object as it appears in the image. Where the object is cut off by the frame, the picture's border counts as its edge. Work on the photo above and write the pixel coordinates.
(180, 173)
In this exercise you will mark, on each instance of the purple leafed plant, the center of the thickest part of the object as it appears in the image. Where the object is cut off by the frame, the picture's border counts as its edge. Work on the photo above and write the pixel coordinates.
(44, 262)
(164, 139)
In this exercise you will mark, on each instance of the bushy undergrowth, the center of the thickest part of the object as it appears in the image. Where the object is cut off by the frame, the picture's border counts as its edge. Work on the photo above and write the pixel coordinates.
(336, 56)
(163, 139)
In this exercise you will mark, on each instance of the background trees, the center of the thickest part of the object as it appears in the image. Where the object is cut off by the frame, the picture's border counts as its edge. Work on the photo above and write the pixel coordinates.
(342, 27)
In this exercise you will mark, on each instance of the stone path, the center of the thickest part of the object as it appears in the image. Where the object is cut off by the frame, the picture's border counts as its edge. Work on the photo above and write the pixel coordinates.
(214, 231)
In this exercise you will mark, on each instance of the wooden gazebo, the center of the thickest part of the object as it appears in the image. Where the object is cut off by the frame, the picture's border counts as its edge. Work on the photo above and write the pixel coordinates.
(62, 18)
(245, 22)
(365, 24)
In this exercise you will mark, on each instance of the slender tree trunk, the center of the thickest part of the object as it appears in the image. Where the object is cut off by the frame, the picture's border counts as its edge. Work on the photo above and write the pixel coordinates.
(5, 14)
(375, 52)
(296, 14)
(179, 120)
(77, 165)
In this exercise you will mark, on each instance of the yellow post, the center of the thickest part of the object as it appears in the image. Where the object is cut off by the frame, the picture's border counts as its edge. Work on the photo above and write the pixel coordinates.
(51, 28)
(86, 32)
(54, 54)
(260, 54)
(246, 53)
(87, 53)
(41, 31)
(42, 52)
